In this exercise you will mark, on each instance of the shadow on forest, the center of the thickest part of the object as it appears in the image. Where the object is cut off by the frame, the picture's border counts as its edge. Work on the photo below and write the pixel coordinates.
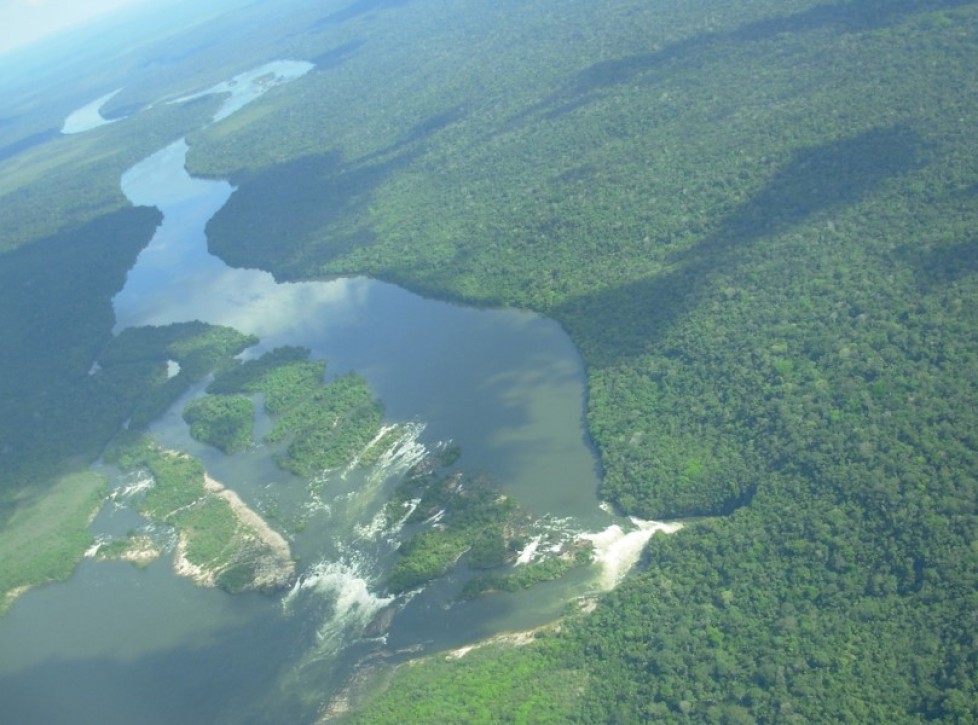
(843, 17)
(56, 313)
(320, 204)
(337, 56)
(28, 142)
(360, 7)
(633, 319)
(942, 266)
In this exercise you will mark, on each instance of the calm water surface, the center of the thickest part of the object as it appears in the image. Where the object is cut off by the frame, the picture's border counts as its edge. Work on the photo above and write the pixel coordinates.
(119, 644)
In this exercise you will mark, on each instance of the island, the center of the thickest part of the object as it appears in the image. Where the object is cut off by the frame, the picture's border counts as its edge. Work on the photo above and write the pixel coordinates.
(221, 541)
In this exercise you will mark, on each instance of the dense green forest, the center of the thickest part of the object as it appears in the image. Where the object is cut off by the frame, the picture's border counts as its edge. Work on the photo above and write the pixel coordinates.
(756, 220)
(326, 424)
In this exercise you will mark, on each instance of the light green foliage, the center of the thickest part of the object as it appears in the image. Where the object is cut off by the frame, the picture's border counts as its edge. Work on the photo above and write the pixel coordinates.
(326, 424)
(329, 427)
(179, 479)
(45, 536)
(223, 421)
(492, 684)
(215, 538)
(285, 376)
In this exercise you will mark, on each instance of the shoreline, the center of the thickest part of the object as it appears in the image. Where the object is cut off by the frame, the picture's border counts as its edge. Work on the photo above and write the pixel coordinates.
(272, 562)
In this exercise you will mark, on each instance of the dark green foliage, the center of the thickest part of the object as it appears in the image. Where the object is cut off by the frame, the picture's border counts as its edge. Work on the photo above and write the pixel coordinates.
(135, 362)
(470, 516)
(55, 316)
(522, 577)
(237, 578)
(428, 555)
(488, 548)
(756, 220)
(223, 421)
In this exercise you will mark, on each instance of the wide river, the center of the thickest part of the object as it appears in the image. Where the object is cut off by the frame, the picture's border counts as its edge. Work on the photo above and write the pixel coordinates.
(117, 644)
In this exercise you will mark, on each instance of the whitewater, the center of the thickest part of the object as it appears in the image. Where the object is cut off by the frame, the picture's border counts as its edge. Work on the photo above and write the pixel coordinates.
(505, 385)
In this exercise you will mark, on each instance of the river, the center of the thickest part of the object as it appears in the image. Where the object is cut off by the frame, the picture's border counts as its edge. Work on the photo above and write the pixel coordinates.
(121, 644)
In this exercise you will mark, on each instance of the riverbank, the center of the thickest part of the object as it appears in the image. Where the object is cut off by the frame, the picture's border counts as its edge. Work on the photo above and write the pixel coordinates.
(43, 540)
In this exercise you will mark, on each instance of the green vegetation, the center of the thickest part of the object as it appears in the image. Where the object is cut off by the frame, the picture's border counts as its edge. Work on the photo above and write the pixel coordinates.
(222, 547)
(491, 684)
(520, 578)
(223, 421)
(139, 549)
(468, 514)
(43, 539)
(470, 518)
(69, 236)
(756, 220)
(56, 313)
(326, 424)
(428, 555)
(329, 427)
(285, 376)
(527, 575)
(72, 181)
(135, 363)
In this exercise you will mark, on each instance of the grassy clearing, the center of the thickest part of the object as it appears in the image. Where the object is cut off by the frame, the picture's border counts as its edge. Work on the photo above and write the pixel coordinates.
(46, 537)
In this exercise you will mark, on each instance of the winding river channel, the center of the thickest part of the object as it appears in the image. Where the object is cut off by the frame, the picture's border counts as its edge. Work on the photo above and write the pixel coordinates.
(122, 645)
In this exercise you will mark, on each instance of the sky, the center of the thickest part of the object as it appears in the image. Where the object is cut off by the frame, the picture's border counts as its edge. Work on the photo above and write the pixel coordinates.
(24, 21)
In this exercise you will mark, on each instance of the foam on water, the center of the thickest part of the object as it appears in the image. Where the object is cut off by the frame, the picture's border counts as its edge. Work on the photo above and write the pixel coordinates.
(133, 485)
(528, 552)
(345, 586)
(617, 550)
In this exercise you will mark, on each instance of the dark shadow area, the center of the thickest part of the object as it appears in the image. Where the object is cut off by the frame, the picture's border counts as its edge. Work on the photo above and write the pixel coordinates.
(56, 314)
(634, 319)
(841, 17)
(117, 114)
(419, 133)
(35, 139)
(936, 268)
(335, 57)
(360, 7)
(291, 217)
(174, 57)
(844, 17)
(319, 205)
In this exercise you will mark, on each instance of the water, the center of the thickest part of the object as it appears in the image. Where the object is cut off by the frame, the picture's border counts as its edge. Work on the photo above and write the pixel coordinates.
(88, 116)
(119, 644)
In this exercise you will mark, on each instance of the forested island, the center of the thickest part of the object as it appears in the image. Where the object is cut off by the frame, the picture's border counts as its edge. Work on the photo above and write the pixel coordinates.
(756, 221)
